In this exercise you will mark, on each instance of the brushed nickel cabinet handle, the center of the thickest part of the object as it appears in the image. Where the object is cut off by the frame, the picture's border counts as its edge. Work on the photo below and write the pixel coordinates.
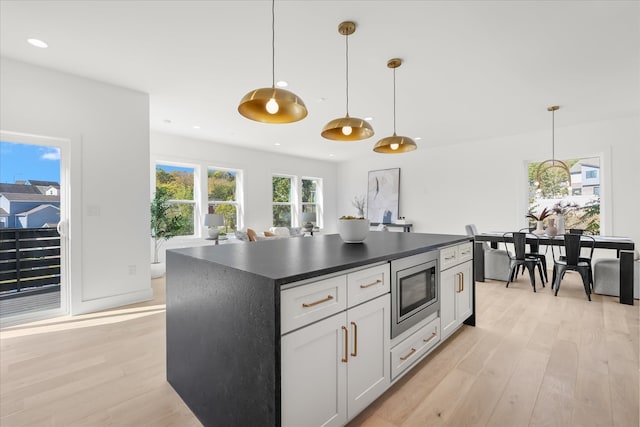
(345, 359)
(311, 304)
(413, 350)
(354, 353)
(433, 335)
(371, 284)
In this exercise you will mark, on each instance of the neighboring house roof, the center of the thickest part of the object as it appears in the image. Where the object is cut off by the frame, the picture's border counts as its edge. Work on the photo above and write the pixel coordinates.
(44, 183)
(3, 212)
(18, 188)
(36, 209)
(577, 168)
(33, 197)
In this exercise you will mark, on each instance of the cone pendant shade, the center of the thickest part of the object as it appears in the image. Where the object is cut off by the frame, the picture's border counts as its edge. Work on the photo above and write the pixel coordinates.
(271, 104)
(347, 128)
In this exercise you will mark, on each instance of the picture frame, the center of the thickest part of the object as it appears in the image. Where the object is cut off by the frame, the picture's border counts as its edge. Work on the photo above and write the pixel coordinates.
(383, 196)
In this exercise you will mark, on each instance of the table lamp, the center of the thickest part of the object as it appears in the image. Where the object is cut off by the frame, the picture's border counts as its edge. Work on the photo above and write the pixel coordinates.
(308, 218)
(213, 221)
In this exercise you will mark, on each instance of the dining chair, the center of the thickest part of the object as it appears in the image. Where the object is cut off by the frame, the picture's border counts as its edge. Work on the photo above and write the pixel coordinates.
(496, 261)
(583, 258)
(517, 241)
(534, 251)
(572, 261)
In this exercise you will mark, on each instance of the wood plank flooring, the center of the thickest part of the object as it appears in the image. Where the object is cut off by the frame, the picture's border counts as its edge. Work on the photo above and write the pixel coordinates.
(533, 360)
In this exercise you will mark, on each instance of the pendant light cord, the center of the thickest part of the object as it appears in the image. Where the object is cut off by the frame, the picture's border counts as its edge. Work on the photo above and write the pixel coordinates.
(346, 41)
(273, 43)
(394, 101)
(553, 137)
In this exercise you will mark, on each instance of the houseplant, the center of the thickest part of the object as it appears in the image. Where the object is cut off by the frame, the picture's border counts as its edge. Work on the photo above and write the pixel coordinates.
(358, 203)
(538, 219)
(353, 229)
(164, 226)
(561, 209)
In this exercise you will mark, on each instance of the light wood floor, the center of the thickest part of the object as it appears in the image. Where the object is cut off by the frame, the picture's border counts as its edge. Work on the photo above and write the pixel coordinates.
(532, 360)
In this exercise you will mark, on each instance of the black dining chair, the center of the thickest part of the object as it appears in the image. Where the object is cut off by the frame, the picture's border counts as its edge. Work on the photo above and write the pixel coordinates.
(516, 242)
(572, 261)
(581, 258)
(534, 251)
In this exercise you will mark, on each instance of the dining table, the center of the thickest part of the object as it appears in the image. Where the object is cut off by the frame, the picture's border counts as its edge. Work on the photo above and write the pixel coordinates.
(623, 246)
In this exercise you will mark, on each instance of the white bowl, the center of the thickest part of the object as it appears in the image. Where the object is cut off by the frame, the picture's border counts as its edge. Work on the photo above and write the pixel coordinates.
(353, 230)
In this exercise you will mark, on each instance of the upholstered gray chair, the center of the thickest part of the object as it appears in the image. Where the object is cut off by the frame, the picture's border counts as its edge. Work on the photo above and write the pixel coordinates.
(496, 261)
(606, 276)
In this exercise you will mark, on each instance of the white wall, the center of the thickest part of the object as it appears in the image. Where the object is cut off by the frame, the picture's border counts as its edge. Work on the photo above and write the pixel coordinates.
(108, 127)
(257, 167)
(484, 182)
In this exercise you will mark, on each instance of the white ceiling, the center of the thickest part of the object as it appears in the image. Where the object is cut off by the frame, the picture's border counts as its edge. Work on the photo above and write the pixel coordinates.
(472, 69)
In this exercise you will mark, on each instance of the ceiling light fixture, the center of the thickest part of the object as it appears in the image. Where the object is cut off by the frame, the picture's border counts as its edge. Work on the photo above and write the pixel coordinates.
(38, 43)
(347, 128)
(549, 165)
(394, 144)
(272, 104)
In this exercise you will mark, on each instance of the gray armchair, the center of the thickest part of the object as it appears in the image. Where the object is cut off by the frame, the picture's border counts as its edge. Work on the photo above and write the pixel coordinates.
(496, 261)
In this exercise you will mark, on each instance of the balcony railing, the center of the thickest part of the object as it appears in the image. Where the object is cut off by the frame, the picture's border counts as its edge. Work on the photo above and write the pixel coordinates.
(29, 261)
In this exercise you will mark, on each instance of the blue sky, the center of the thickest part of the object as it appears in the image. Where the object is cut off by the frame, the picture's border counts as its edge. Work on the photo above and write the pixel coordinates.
(25, 161)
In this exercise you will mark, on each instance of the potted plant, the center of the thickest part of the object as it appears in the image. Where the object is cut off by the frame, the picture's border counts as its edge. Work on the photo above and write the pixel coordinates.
(538, 219)
(164, 225)
(353, 229)
(358, 203)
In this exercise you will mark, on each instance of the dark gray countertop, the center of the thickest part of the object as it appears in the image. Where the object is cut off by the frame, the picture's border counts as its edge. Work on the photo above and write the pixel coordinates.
(293, 259)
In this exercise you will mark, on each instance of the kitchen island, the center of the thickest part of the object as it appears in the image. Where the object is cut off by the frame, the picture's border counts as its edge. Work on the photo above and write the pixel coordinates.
(224, 314)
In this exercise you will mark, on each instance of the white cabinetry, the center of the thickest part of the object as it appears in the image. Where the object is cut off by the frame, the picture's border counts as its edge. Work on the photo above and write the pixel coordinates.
(335, 367)
(456, 287)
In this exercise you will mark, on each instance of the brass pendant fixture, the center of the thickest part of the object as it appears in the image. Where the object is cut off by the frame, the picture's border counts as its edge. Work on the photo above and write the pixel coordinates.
(394, 144)
(347, 128)
(272, 104)
(551, 164)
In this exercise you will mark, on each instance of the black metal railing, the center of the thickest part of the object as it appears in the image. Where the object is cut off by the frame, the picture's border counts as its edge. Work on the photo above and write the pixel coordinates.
(29, 259)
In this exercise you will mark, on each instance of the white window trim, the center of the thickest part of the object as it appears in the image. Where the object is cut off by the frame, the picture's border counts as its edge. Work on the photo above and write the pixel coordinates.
(319, 199)
(238, 203)
(197, 190)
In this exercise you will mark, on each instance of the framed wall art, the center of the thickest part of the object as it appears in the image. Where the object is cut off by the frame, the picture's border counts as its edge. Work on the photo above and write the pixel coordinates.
(383, 195)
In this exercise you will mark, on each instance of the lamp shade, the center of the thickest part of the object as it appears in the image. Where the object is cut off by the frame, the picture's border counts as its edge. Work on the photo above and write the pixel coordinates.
(358, 129)
(395, 144)
(213, 220)
(287, 106)
(309, 217)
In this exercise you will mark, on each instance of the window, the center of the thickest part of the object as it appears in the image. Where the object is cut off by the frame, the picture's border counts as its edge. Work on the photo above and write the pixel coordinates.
(311, 201)
(222, 195)
(579, 203)
(282, 188)
(296, 201)
(179, 183)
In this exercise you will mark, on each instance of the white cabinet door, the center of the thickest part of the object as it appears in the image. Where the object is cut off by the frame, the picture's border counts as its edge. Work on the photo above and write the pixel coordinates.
(314, 375)
(369, 364)
(464, 301)
(448, 300)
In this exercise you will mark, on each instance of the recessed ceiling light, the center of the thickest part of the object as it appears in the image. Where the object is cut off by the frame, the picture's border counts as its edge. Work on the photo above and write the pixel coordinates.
(196, 127)
(282, 83)
(368, 118)
(418, 138)
(37, 43)
(167, 121)
(331, 155)
(322, 99)
(276, 143)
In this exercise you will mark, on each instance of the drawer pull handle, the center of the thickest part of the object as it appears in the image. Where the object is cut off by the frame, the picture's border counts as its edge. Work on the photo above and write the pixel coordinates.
(413, 350)
(462, 276)
(354, 353)
(311, 304)
(433, 335)
(447, 258)
(345, 359)
(371, 284)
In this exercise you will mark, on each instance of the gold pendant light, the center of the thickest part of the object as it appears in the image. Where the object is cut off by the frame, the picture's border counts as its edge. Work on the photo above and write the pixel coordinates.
(550, 164)
(394, 144)
(272, 104)
(347, 128)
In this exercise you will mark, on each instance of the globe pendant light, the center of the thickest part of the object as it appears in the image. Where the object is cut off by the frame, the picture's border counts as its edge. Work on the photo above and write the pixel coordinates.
(347, 128)
(394, 144)
(272, 104)
(548, 166)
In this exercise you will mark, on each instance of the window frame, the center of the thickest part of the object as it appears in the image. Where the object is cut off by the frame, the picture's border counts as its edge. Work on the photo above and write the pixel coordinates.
(193, 202)
(239, 179)
(296, 204)
(318, 203)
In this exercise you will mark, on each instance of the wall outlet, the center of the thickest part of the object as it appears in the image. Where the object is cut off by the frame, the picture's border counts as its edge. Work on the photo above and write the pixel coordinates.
(132, 270)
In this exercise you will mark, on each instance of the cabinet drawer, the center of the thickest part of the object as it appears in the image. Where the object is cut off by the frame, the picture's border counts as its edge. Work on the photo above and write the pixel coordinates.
(465, 252)
(308, 303)
(448, 257)
(368, 284)
(414, 347)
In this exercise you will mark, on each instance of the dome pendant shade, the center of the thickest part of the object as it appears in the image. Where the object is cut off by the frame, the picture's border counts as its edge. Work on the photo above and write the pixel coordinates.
(347, 129)
(288, 107)
(395, 144)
